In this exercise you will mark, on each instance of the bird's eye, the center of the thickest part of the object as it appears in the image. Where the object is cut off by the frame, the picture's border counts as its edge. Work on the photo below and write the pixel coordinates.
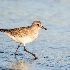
(38, 24)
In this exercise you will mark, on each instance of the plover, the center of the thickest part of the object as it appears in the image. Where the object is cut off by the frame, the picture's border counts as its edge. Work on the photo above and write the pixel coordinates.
(24, 35)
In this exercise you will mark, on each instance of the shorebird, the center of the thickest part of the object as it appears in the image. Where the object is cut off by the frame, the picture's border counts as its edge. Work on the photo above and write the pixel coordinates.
(24, 35)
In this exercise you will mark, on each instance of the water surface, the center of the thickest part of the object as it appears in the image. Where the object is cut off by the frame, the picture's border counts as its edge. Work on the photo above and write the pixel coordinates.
(52, 46)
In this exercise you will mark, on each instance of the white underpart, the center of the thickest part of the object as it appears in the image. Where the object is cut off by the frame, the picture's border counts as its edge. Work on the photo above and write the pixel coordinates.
(23, 40)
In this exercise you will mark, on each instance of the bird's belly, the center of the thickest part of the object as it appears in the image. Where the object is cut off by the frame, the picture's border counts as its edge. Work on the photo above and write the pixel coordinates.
(23, 40)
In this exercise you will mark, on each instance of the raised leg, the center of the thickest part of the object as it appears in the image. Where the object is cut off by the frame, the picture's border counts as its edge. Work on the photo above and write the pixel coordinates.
(17, 48)
(30, 53)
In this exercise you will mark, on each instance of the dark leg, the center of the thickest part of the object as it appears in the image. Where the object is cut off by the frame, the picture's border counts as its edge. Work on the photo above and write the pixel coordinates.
(30, 53)
(17, 48)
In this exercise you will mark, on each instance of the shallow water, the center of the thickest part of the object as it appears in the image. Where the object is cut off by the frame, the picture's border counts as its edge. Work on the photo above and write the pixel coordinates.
(52, 47)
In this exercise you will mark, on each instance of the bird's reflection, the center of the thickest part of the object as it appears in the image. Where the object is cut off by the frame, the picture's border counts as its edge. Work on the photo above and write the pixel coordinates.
(19, 65)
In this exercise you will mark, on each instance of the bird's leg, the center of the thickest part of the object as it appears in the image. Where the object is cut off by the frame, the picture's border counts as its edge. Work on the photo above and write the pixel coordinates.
(17, 48)
(30, 53)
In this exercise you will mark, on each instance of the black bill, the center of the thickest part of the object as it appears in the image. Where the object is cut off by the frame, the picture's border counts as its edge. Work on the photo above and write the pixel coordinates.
(44, 28)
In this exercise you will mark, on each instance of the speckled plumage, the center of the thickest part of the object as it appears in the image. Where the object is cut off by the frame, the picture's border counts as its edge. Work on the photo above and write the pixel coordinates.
(24, 35)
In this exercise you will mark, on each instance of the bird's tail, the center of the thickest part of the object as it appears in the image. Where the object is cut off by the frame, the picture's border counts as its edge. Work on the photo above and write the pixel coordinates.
(3, 30)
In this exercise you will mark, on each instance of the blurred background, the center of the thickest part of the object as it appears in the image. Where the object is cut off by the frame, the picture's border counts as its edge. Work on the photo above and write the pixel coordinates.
(52, 47)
